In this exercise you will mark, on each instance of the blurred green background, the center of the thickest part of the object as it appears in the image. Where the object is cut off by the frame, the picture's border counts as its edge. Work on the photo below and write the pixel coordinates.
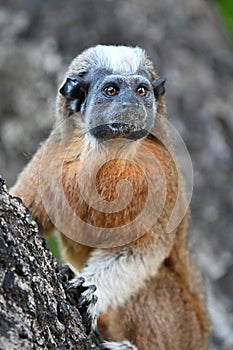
(225, 8)
(53, 245)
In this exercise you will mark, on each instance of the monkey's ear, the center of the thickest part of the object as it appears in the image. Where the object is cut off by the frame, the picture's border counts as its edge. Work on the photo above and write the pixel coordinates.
(74, 90)
(159, 88)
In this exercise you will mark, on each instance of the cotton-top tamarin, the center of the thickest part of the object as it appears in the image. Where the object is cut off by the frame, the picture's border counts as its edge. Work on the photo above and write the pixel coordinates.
(107, 182)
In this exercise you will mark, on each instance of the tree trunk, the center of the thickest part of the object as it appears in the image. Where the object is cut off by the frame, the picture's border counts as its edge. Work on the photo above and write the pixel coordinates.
(34, 310)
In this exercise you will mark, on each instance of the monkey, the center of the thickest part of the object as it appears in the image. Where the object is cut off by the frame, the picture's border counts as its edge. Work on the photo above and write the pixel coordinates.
(140, 283)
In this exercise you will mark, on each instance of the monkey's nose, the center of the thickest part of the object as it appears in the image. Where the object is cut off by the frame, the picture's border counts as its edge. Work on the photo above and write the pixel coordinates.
(126, 105)
(130, 105)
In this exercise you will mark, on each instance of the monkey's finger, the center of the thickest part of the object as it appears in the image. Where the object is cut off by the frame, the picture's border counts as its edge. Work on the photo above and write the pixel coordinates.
(86, 297)
(75, 283)
(94, 299)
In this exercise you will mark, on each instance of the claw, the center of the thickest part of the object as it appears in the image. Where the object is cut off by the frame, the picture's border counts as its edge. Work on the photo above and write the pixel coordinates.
(89, 290)
(94, 299)
(86, 300)
(86, 297)
(83, 298)
(74, 284)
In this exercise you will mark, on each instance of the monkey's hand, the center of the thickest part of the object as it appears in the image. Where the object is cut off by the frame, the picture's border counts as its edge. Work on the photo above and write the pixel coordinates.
(83, 297)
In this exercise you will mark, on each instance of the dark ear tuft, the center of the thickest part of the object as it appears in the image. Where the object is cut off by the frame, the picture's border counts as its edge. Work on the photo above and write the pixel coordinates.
(74, 90)
(159, 88)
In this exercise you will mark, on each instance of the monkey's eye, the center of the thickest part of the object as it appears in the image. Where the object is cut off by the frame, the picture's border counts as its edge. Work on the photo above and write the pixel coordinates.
(141, 91)
(111, 90)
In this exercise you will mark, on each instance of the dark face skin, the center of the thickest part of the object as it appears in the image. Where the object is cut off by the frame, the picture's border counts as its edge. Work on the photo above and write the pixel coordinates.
(114, 105)
(120, 106)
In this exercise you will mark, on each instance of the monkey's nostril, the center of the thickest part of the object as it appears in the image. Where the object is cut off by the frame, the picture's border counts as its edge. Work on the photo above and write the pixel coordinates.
(126, 105)
(130, 105)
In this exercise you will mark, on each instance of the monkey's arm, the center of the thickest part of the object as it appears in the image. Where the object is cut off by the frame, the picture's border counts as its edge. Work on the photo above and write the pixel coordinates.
(27, 188)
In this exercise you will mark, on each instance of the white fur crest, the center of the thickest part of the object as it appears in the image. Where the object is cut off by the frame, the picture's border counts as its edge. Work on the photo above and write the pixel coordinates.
(118, 59)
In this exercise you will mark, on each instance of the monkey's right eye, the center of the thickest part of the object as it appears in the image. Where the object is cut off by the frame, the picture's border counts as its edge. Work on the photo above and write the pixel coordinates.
(111, 90)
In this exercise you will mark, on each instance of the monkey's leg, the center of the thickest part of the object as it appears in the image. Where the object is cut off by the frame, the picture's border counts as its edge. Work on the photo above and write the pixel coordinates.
(27, 188)
(165, 314)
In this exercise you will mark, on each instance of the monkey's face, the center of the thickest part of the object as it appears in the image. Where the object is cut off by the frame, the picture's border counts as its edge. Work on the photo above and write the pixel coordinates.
(120, 106)
(114, 105)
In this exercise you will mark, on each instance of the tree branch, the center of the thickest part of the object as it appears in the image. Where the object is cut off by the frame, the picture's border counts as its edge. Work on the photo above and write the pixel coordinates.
(34, 310)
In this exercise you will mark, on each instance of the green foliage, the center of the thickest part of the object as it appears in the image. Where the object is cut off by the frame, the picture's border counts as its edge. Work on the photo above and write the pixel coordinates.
(225, 7)
(54, 247)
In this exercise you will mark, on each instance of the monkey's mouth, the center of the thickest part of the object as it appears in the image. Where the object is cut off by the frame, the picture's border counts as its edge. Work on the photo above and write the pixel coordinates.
(118, 130)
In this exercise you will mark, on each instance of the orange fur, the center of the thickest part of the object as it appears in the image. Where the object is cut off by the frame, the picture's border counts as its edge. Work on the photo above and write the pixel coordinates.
(168, 317)
(176, 290)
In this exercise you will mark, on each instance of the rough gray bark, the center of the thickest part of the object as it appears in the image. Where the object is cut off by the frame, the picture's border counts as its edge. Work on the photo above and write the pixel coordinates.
(34, 310)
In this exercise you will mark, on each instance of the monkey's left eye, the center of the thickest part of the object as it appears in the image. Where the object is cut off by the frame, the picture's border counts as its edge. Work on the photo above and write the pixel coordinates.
(141, 91)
